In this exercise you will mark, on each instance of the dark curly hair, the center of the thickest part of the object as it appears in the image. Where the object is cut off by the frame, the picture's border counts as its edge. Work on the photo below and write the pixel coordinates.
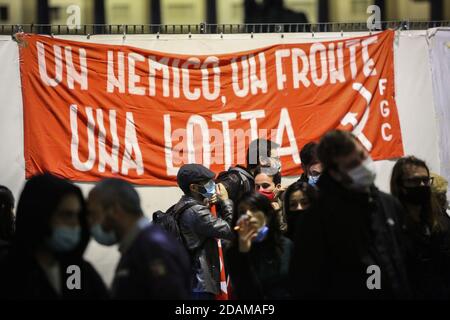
(275, 175)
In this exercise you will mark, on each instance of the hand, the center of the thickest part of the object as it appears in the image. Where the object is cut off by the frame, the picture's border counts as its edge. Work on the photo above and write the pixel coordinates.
(247, 231)
(276, 205)
(208, 202)
(221, 192)
(279, 192)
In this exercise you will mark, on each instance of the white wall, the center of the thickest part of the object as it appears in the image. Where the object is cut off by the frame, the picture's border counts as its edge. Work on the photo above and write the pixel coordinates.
(413, 92)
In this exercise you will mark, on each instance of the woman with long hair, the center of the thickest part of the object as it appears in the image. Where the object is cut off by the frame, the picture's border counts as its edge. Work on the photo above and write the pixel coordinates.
(297, 199)
(50, 238)
(427, 236)
(259, 256)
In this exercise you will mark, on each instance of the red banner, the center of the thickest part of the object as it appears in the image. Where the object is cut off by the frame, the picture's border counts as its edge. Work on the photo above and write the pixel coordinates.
(93, 111)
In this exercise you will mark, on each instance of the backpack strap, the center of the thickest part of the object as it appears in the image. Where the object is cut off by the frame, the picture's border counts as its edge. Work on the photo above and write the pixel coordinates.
(177, 215)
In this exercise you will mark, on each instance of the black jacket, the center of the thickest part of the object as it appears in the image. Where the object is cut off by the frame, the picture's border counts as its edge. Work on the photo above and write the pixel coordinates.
(21, 277)
(260, 273)
(4, 249)
(153, 266)
(200, 229)
(428, 259)
(344, 234)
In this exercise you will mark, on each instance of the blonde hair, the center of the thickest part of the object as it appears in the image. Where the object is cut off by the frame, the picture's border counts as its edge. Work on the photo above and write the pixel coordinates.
(440, 184)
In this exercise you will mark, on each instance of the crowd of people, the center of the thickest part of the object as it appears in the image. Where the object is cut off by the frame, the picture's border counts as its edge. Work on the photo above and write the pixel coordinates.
(331, 235)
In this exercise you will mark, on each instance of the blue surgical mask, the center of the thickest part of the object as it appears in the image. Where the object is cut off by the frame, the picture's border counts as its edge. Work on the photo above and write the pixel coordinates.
(64, 239)
(312, 181)
(103, 237)
(209, 189)
(262, 234)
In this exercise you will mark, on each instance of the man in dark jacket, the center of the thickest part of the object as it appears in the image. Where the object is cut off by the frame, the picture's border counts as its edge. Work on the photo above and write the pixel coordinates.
(153, 265)
(349, 246)
(200, 228)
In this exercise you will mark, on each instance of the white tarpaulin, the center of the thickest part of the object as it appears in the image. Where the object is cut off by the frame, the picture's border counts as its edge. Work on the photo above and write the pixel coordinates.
(414, 95)
(439, 44)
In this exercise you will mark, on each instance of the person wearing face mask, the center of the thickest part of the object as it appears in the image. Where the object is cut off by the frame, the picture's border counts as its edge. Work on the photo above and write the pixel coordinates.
(51, 235)
(268, 183)
(259, 256)
(352, 228)
(312, 168)
(153, 264)
(427, 233)
(200, 228)
(298, 198)
(239, 179)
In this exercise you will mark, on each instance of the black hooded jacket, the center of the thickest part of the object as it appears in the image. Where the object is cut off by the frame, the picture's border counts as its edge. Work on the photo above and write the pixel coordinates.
(21, 275)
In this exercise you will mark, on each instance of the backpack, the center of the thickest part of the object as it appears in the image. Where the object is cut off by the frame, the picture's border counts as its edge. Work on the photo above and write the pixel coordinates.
(169, 221)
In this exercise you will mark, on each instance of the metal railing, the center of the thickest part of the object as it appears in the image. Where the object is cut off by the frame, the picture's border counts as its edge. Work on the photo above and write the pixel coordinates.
(204, 28)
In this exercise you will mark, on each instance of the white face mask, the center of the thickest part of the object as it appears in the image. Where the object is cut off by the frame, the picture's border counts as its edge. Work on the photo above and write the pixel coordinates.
(364, 175)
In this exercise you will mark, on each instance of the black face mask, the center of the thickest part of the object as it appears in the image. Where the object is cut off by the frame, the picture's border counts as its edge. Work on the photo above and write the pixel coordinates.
(417, 195)
(297, 212)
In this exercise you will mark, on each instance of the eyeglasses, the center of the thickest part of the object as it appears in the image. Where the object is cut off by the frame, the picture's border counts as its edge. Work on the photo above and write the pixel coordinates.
(418, 181)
